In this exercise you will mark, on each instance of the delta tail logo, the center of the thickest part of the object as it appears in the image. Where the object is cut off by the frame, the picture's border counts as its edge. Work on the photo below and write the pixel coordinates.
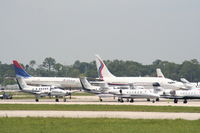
(100, 69)
(19, 70)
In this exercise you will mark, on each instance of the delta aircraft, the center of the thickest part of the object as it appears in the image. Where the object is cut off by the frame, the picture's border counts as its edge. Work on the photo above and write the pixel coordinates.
(41, 91)
(128, 93)
(105, 75)
(62, 82)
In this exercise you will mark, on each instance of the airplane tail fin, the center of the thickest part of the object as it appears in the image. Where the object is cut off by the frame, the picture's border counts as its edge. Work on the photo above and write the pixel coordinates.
(85, 84)
(102, 69)
(19, 70)
(21, 83)
(159, 73)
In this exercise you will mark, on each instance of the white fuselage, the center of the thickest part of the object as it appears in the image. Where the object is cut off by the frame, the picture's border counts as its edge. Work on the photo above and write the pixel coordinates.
(134, 93)
(147, 82)
(187, 94)
(55, 81)
(44, 91)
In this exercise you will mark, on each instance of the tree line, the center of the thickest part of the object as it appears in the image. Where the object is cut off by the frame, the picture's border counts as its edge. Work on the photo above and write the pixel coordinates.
(50, 68)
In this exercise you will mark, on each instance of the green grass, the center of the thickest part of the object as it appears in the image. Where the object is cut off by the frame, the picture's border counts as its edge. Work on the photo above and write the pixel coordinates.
(99, 108)
(97, 125)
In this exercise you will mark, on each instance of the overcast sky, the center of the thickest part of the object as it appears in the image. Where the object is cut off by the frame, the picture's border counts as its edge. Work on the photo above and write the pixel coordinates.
(69, 30)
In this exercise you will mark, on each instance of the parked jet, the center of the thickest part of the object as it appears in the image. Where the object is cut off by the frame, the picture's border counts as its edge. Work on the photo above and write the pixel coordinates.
(129, 93)
(189, 85)
(147, 82)
(185, 94)
(41, 91)
(62, 82)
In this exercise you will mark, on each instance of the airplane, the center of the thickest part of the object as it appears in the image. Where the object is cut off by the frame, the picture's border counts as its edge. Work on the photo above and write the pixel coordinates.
(105, 75)
(189, 85)
(129, 93)
(185, 82)
(62, 82)
(185, 94)
(41, 91)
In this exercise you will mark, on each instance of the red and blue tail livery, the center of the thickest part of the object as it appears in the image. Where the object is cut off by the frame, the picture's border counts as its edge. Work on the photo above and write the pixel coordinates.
(19, 70)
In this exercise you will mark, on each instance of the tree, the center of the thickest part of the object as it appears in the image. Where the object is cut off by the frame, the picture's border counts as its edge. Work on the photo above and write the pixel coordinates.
(49, 63)
(32, 63)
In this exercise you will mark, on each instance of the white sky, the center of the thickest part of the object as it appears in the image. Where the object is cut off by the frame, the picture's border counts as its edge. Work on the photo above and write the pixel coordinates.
(69, 30)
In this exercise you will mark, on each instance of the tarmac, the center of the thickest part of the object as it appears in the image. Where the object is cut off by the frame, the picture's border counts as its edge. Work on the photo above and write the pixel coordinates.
(81, 100)
(100, 114)
(106, 101)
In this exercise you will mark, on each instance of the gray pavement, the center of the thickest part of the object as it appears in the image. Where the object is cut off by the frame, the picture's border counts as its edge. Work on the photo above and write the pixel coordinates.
(106, 101)
(101, 114)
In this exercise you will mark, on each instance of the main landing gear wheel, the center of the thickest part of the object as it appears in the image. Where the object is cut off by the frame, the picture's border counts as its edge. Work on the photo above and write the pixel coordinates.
(57, 100)
(185, 101)
(37, 100)
(153, 101)
(118, 100)
(148, 99)
(131, 101)
(175, 100)
(157, 99)
(100, 100)
(121, 100)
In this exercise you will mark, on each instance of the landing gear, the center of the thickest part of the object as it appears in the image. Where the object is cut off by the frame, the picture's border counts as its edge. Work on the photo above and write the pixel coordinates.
(132, 100)
(64, 100)
(175, 100)
(157, 99)
(127, 100)
(70, 96)
(148, 99)
(57, 100)
(100, 99)
(185, 101)
(120, 100)
(153, 101)
(37, 100)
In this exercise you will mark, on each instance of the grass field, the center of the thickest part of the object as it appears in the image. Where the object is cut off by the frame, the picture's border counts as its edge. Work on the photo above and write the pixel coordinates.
(99, 108)
(99, 125)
